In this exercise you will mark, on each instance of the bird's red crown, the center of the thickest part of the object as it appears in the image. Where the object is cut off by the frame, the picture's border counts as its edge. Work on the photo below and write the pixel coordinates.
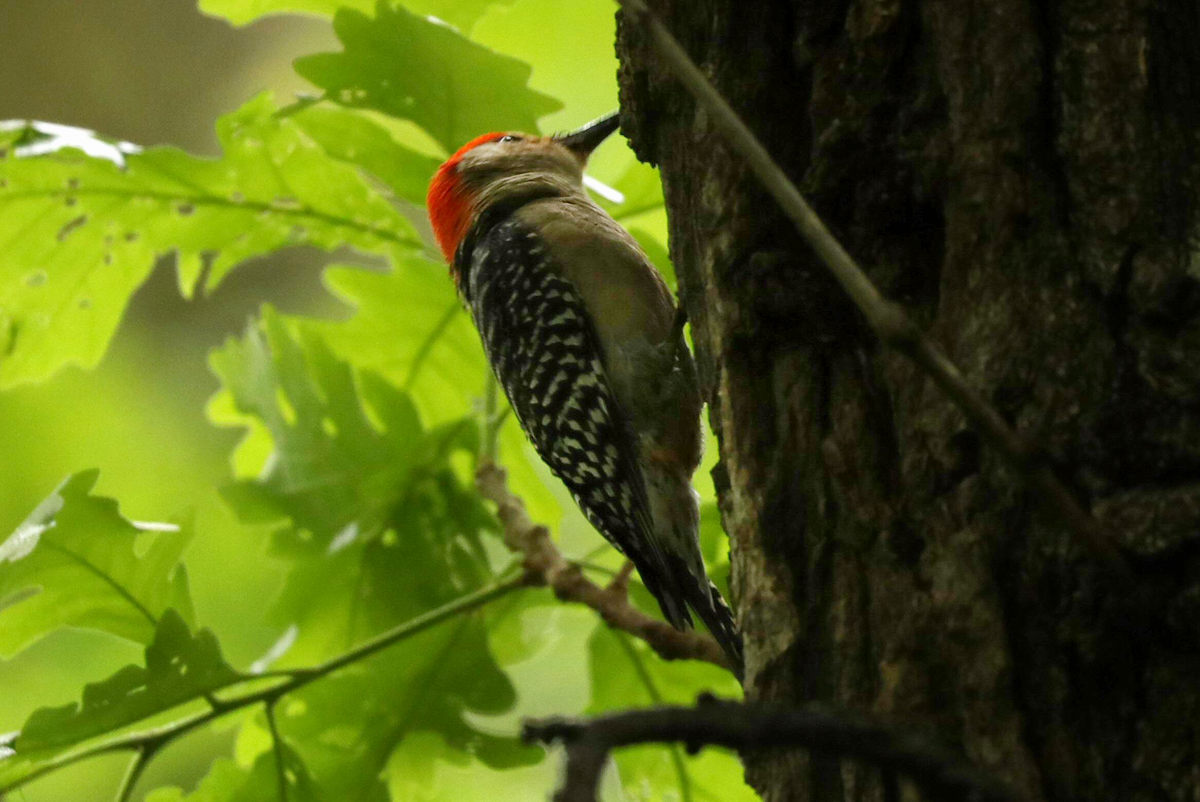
(448, 202)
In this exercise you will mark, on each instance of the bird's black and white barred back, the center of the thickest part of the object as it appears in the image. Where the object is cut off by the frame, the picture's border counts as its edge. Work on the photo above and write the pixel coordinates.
(547, 356)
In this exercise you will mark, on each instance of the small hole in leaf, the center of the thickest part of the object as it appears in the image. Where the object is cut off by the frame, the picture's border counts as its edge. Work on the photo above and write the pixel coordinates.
(70, 226)
(85, 304)
(299, 232)
(237, 197)
(131, 236)
(36, 278)
(185, 209)
(72, 183)
(108, 258)
(71, 200)
(286, 202)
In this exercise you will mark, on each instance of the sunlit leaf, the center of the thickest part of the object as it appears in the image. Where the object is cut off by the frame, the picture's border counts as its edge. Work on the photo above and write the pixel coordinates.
(377, 524)
(353, 137)
(437, 682)
(180, 667)
(461, 89)
(641, 187)
(226, 781)
(627, 674)
(79, 233)
(332, 466)
(410, 327)
(75, 561)
(460, 13)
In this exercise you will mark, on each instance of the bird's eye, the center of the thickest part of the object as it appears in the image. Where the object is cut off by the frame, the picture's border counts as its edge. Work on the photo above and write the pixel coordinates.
(509, 138)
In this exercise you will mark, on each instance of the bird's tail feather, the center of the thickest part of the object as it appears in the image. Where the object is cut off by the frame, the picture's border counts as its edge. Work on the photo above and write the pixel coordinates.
(717, 616)
(677, 588)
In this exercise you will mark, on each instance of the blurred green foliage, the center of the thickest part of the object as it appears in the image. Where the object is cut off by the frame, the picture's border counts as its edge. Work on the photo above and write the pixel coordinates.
(347, 510)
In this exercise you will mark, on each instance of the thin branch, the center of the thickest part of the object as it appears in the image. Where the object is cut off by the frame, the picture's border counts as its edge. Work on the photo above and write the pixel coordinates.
(545, 565)
(150, 741)
(277, 748)
(888, 319)
(141, 759)
(941, 775)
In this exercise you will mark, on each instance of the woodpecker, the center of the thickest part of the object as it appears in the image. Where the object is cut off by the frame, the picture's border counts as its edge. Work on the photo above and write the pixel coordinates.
(581, 332)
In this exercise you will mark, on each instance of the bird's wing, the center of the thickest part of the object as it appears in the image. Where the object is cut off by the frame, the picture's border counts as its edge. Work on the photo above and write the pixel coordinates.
(544, 349)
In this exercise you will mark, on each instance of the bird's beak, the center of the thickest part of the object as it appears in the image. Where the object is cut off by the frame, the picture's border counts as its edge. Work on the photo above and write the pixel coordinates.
(589, 137)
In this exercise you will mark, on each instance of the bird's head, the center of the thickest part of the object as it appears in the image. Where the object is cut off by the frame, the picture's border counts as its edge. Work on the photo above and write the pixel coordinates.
(499, 166)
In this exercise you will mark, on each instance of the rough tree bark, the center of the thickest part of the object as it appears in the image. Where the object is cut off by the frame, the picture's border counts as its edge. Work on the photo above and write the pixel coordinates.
(1022, 175)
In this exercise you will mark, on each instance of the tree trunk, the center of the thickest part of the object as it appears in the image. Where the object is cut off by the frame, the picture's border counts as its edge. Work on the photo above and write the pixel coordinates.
(1021, 174)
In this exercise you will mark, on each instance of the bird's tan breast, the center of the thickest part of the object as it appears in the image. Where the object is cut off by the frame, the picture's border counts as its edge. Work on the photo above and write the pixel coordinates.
(627, 297)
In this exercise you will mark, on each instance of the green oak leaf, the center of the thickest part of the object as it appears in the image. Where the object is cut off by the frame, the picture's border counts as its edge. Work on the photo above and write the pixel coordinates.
(441, 681)
(79, 233)
(460, 13)
(376, 522)
(418, 69)
(227, 781)
(641, 188)
(180, 667)
(354, 138)
(75, 561)
(627, 674)
(410, 328)
(341, 732)
(332, 467)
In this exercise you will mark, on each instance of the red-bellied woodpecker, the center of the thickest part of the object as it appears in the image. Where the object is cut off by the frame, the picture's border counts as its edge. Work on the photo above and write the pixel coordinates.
(581, 332)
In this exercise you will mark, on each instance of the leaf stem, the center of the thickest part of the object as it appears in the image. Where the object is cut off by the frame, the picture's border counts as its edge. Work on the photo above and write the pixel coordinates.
(136, 766)
(639, 668)
(277, 747)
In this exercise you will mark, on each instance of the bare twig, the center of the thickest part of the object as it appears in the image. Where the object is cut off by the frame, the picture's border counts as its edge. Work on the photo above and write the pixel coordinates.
(940, 774)
(545, 565)
(887, 318)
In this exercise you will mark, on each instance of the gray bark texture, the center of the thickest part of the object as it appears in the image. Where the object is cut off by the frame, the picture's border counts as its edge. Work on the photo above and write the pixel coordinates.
(1021, 174)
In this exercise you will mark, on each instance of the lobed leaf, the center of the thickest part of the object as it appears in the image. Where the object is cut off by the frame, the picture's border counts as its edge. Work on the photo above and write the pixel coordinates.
(627, 674)
(421, 70)
(79, 233)
(180, 667)
(410, 328)
(76, 561)
(460, 13)
(354, 138)
(377, 524)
